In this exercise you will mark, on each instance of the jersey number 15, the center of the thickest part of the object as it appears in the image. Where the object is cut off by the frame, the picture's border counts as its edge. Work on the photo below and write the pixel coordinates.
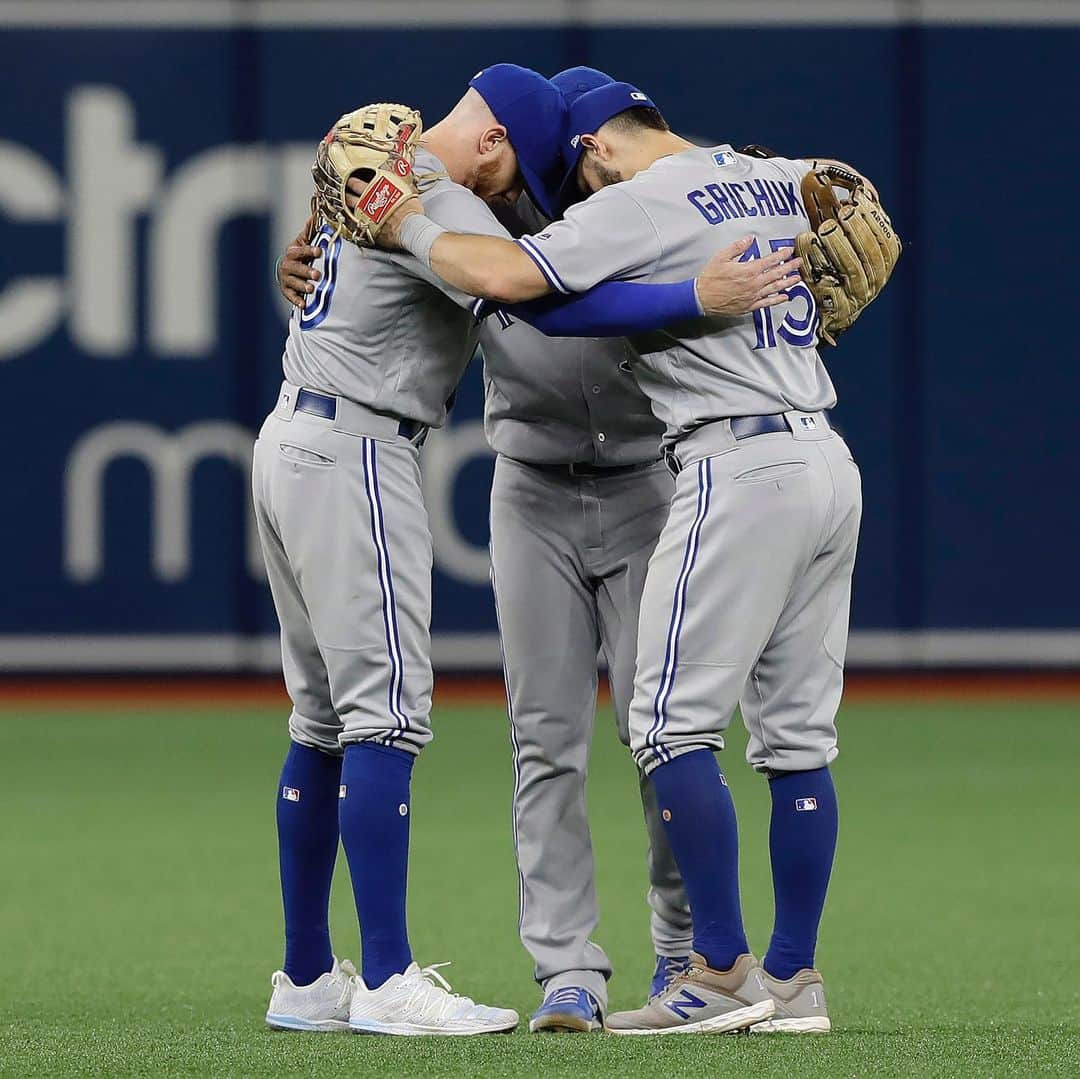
(798, 331)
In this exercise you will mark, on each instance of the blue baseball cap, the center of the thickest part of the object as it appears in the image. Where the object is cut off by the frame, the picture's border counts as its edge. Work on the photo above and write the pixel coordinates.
(533, 112)
(575, 81)
(587, 114)
(571, 83)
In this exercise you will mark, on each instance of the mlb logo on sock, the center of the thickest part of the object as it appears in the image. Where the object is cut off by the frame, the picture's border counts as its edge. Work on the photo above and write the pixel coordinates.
(290, 794)
(805, 805)
(341, 791)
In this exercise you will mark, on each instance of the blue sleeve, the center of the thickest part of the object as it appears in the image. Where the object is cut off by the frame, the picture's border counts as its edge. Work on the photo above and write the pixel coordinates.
(610, 309)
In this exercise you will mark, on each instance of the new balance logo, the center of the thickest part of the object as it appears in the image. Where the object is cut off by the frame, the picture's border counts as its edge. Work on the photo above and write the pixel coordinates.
(685, 1000)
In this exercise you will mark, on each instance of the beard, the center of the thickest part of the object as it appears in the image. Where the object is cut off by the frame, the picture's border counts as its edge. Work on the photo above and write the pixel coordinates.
(491, 182)
(607, 176)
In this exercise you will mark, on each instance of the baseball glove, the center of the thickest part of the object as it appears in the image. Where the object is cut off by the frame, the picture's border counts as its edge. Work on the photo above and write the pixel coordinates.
(376, 145)
(755, 149)
(850, 250)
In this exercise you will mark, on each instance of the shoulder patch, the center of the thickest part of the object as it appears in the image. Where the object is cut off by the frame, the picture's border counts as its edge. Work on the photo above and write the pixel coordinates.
(724, 157)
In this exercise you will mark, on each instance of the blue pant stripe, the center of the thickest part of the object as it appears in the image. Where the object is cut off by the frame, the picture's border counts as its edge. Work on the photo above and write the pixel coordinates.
(678, 612)
(386, 584)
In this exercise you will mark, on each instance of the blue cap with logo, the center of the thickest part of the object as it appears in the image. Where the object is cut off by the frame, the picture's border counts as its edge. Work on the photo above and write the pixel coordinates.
(572, 84)
(588, 113)
(533, 112)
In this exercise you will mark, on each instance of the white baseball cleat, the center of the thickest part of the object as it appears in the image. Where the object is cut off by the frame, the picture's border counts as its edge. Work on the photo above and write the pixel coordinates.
(320, 1007)
(419, 1002)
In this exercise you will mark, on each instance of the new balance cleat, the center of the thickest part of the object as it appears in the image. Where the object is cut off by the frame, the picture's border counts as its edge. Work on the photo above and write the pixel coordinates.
(668, 967)
(800, 1005)
(419, 1002)
(570, 1010)
(320, 1007)
(702, 1001)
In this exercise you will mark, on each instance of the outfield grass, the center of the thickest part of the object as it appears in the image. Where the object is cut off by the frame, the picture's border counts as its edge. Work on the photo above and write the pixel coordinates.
(140, 918)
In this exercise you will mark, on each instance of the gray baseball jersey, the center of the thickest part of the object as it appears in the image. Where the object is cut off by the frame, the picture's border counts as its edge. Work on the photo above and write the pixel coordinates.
(664, 224)
(553, 400)
(376, 331)
(563, 400)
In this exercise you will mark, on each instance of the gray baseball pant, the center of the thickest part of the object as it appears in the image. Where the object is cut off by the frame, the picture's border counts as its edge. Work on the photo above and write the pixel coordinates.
(569, 556)
(348, 553)
(747, 598)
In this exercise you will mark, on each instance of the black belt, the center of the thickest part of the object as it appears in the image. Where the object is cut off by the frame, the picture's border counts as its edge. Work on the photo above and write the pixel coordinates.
(750, 427)
(583, 468)
(321, 404)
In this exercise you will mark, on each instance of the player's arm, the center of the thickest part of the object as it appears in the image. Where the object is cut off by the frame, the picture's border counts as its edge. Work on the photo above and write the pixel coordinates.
(725, 287)
(489, 267)
(609, 237)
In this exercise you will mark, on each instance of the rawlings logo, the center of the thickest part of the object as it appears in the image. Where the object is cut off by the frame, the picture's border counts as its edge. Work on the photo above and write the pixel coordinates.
(401, 166)
(379, 200)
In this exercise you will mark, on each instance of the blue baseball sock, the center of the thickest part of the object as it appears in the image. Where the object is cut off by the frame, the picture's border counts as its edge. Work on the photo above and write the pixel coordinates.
(699, 818)
(307, 826)
(802, 842)
(374, 817)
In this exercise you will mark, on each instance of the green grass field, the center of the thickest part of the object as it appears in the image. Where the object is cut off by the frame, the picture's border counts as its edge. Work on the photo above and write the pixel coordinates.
(140, 918)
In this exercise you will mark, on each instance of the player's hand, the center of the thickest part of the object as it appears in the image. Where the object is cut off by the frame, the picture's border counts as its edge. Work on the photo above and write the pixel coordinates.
(729, 287)
(296, 276)
(391, 228)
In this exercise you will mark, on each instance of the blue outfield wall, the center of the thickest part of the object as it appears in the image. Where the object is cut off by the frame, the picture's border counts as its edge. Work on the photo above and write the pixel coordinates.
(148, 177)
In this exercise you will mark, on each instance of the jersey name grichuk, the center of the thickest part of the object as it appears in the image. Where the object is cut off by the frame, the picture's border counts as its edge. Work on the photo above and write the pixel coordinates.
(725, 201)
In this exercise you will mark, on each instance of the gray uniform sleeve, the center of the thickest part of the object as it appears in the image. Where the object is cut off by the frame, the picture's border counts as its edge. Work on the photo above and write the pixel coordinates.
(458, 210)
(607, 236)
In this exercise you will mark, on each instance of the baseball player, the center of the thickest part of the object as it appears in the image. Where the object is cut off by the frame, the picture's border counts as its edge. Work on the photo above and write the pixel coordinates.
(349, 558)
(578, 501)
(747, 594)
(348, 554)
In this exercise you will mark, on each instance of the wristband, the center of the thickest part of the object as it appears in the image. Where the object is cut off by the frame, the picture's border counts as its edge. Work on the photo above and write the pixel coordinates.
(418, 235)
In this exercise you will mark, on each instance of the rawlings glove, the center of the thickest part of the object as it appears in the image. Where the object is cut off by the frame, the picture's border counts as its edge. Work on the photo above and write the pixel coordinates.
(375, 145)
(851, 248)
